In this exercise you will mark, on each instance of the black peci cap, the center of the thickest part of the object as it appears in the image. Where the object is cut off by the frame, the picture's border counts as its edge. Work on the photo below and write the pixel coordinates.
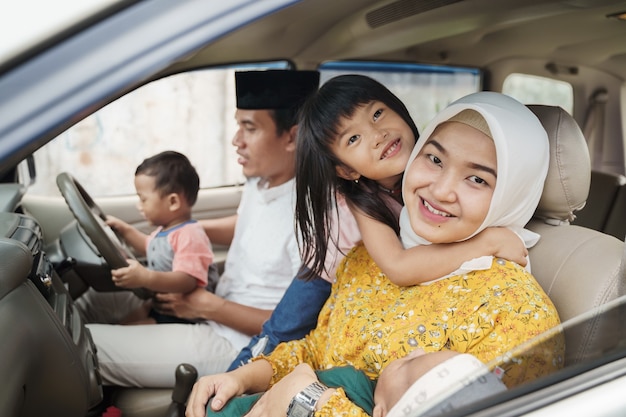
(274, 89)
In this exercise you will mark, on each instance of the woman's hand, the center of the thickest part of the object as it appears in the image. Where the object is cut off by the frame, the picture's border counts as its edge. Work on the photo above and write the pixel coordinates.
(276, 401)
(252, 377)
(222, 387)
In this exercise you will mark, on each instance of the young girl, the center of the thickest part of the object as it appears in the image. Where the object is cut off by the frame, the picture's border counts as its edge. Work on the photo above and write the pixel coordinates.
(355, 138)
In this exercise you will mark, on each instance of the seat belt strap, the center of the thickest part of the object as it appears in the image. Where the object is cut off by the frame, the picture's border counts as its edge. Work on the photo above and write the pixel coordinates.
(594, 127)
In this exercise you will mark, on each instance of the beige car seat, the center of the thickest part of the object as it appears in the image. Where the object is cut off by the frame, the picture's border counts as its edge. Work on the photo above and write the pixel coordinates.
(579, 268)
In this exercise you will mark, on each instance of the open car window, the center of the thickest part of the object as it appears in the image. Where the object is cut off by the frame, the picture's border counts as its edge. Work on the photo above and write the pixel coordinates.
(424, 89)
(608, 348)
(191, 112)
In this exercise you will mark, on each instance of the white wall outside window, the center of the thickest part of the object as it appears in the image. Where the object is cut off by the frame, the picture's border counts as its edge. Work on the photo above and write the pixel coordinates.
(193, 113)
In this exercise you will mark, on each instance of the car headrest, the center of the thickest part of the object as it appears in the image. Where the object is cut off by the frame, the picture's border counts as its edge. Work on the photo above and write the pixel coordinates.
(569, 174)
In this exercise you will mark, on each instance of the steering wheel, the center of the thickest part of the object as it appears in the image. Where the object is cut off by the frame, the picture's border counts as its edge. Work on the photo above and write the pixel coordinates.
(91, 218)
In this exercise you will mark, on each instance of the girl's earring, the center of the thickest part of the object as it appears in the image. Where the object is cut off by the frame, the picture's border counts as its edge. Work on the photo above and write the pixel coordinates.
(356, 181)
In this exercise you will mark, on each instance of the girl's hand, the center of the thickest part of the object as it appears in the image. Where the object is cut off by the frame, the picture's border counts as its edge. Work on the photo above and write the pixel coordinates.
(222, 387)
(276, 401)
(506, 244)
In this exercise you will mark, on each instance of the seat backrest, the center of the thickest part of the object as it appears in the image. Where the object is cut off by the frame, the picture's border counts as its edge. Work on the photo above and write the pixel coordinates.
(579, 268)
(603, 191)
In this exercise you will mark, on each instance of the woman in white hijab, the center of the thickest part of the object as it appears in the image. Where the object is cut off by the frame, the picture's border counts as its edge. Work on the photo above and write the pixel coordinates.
(522, 155)
(481, 162)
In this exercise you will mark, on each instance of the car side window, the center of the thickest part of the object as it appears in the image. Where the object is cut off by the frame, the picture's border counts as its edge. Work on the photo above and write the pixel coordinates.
(191, 112)
(424, 89)
(532, 89)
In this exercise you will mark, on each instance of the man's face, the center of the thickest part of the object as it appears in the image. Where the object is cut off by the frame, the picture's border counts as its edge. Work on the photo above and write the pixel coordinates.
(262, 152)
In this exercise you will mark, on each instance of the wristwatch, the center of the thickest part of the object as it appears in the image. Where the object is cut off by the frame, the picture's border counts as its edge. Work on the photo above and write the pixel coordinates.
(303, 403)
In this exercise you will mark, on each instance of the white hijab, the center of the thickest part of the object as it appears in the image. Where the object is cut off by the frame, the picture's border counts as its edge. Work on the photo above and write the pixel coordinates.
(522, 152)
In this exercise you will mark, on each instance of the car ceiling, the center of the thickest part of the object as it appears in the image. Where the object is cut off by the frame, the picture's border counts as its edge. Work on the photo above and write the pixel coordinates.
(563, 36)
(475, 33)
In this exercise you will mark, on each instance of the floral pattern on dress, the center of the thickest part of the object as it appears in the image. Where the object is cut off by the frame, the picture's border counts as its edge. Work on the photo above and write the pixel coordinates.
(368, 322)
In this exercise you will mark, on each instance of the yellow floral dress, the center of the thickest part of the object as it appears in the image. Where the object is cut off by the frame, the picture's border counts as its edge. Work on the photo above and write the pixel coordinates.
(368, 322)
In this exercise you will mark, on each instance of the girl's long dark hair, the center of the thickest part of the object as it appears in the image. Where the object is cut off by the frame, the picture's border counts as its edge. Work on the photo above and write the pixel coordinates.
(317, 181)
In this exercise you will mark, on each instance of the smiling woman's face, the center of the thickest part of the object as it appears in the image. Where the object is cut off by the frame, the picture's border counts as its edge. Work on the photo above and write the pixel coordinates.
(449, 185)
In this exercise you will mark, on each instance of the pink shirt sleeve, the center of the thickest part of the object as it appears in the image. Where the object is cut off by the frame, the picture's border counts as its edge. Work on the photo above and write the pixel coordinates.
(192, 252)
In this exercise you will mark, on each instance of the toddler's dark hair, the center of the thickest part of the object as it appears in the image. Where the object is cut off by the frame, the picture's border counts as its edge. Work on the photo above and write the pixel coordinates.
(173, 173)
